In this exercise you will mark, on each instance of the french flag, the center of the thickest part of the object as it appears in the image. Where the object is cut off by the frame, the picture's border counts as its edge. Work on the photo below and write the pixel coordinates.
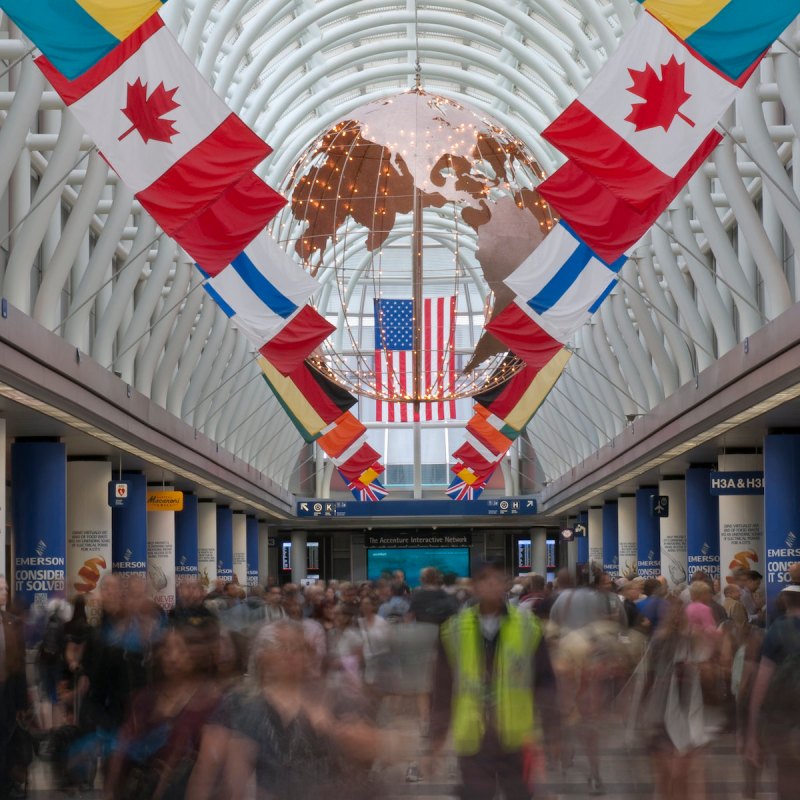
(174, 142)
(265, 294)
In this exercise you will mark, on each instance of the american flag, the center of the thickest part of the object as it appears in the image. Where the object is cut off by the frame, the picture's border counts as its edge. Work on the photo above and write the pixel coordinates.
(394, 362)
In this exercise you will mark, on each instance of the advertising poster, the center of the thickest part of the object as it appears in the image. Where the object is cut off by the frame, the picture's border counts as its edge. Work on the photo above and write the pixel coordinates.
(782, 519)
(129, 530)
(626, 522)
(596, 536)
(88, 531)
(224, 543)
(674, 564)
(702, 523)
(207, 543)
(186, 568)
(252, 551)
(741, 519)
(161, 557)
(240, 548)
(610, 539)
(648, 534)
(39, 520)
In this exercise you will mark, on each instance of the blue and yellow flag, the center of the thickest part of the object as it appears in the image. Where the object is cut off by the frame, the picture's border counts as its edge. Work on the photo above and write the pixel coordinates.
(729, 34)
(76, 34)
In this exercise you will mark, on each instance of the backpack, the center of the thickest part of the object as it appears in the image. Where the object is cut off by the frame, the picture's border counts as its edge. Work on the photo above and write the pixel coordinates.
(51, 641)
(782, 704)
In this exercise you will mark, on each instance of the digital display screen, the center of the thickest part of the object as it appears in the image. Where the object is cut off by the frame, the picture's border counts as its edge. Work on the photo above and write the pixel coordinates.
(524, 558)
(312, 550)
(413, 560)
(551, 554)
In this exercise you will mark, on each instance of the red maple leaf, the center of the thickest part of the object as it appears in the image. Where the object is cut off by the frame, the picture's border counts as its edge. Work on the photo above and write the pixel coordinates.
(663, 97)
(147, 113)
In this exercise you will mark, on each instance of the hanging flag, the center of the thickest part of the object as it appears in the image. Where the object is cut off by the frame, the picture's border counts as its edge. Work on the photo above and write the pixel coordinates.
(311, 400)
(357, 459)
(263, 292)
(488, 430)
(160, 126)
(369, 492)
(219, 233)
(604, 222)
(562, 283)
(459, 489)
(341, 434)
(516, 328)
(644, 115)
(518, 399)
(394, 359)
(76, 34)
(730, 34)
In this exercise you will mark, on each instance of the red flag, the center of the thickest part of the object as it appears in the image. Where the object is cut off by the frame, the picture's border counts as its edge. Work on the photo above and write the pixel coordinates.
(515, 329)
(644, 115)
(217, 235)
(604, 222)
(356, 460)
(306, 331)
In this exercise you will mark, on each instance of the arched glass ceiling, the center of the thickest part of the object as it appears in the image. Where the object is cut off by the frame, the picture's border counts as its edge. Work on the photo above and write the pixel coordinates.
(719, 264)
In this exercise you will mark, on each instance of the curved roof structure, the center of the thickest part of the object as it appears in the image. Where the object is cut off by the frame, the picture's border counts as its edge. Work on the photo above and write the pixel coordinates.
(82, 258)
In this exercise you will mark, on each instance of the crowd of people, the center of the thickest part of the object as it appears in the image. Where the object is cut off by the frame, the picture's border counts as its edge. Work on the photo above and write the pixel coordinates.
(274, 692)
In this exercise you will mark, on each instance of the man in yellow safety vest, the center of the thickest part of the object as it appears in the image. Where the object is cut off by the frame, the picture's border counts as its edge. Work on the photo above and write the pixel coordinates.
(492, 669)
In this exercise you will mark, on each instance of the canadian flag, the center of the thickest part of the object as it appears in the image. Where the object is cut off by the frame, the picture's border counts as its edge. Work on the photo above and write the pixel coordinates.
(162, 128)
(644, 115)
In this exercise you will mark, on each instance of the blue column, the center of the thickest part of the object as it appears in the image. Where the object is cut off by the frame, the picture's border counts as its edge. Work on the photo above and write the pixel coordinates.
(583, 541)
(186, 540)
(702, 523)
(781, 510)
(224, 543)
(252, 551)
(39, 519)
(129, 529)
(648, 534)
(610, 538)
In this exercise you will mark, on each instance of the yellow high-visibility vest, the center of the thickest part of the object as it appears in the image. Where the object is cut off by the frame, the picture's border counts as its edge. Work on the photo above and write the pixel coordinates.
(510, 696)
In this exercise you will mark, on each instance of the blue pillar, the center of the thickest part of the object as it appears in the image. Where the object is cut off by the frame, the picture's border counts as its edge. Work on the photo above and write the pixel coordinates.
(186, 551)
(39, 519)
(781, 510)
(252, 551)
(129, 529)
(224, 543)
(702, 523)
(610, 538)
(583, 541)
(648, 534)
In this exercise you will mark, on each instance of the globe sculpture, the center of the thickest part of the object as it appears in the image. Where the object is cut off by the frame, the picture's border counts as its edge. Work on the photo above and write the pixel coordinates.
(414, 196)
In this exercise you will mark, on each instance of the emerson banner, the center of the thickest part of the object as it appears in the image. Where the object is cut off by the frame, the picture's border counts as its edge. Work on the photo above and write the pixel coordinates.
(737, 483)
(386, 541)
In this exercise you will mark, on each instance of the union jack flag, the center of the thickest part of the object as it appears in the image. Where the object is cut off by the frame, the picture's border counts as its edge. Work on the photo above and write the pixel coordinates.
(369, 492)
(459, 489)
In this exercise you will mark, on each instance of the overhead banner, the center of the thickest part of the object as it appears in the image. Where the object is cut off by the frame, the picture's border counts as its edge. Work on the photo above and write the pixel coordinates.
(741, 519)
(39, 520)
(702, 522)
(782, 516)
(164, 500)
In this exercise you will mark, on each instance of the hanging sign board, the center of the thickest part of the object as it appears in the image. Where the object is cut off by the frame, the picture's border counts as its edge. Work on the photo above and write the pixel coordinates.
(165, 501)
(118, 493)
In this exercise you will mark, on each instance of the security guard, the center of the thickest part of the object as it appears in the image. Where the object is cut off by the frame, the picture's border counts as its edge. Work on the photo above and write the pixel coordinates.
(492, 683)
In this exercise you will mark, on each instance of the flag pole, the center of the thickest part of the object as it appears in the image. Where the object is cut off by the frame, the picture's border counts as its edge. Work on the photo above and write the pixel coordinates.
(416, 358)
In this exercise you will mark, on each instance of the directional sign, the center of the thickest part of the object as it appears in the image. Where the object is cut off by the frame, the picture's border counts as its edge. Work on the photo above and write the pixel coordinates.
(580, 529)
(500, 507)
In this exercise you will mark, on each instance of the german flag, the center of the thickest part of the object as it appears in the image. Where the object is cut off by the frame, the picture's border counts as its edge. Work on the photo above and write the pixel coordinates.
(311, 400)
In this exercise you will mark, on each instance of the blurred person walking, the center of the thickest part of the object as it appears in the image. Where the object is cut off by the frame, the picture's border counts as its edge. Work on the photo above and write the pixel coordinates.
(492, 669)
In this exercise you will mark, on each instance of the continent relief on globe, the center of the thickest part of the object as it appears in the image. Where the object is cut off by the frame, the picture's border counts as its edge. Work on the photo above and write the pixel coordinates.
(363, 181)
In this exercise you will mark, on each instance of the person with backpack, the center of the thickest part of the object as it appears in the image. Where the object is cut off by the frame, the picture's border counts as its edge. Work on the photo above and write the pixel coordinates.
(774, 721)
